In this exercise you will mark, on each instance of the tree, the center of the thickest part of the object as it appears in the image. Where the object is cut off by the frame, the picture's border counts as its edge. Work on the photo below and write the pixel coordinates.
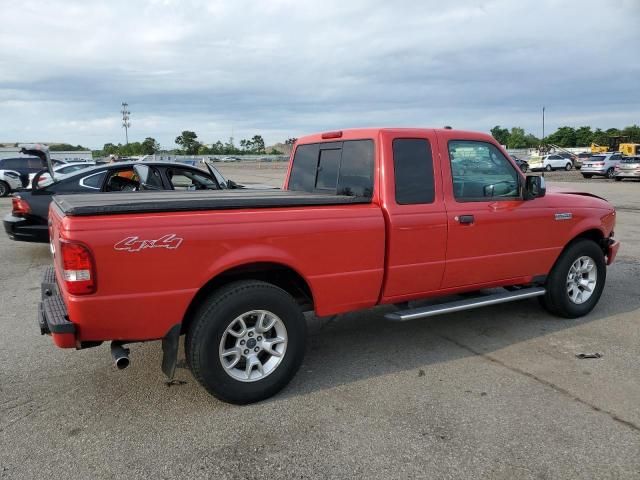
(517, 138)
(187, 140)
(257, 144)
(150, 146)
(633, 132)
(109, 149)
(563, 137)
(584, 136)
(500, 134)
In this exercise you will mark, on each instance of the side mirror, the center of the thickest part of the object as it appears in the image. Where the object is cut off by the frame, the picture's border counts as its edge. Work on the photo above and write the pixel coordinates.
(535, 187)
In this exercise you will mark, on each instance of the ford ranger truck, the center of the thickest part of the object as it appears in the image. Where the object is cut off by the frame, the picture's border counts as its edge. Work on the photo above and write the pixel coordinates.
(366, 217)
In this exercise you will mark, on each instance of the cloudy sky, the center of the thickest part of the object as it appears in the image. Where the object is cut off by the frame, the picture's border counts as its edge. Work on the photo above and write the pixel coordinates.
(285, 68)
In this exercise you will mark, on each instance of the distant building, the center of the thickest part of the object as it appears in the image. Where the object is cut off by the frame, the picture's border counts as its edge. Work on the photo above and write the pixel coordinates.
(14, 152)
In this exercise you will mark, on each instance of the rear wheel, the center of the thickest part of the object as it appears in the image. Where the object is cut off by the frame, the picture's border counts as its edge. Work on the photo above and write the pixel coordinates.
(247, 342)
(5, 189)
(568, 167)
(576, 281)
(611, 172)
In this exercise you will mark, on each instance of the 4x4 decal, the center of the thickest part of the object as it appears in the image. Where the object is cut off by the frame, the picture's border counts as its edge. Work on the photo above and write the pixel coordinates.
(135, 244)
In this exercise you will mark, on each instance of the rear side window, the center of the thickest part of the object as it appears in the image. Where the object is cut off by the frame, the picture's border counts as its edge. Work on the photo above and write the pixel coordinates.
(344, 168)
(93, 181)
(413, 167)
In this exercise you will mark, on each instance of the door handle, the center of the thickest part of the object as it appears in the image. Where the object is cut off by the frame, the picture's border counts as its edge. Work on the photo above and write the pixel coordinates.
(465, 219)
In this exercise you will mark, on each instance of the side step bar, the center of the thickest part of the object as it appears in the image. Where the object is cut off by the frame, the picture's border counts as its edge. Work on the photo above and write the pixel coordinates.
(466, 304)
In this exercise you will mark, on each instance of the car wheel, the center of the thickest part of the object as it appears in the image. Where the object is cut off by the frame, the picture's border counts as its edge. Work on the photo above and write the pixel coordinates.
(568, 167)
(618, 179)
(610, 172)
(548, 168)
(576, 281)
(247, 342)
(5, 189)
(524, 168)
(587, 175)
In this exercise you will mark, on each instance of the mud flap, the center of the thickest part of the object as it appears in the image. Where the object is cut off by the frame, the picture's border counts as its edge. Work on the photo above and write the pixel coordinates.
(170, 345)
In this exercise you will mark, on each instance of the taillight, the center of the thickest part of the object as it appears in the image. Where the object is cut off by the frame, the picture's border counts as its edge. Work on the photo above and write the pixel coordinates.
(19, 206)
(77, 268)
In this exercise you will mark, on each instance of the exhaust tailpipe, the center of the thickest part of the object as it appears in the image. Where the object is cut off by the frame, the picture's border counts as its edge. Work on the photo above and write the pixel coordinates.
(120, 355)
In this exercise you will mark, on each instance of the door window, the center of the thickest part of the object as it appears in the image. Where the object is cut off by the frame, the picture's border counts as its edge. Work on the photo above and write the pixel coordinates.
(187, 179)
(413, 168)
(480, 172)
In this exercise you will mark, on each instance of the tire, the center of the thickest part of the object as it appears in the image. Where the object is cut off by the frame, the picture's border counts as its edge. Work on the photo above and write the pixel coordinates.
(218, 327)
(5, 189)
(564, 296)
(524, 169)
(568, 167)
(587, 175)
(548, 168)
(611, 172)
(618, 179)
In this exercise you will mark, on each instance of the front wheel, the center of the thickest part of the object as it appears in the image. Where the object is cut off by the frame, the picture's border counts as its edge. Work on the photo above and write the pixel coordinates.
(576, 281)
(548, 168)
(247, 342)
(568, 167)
(611, 172)
(5, 189)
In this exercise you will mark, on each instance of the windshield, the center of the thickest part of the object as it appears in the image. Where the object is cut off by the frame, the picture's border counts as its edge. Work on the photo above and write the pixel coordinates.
(631, 160)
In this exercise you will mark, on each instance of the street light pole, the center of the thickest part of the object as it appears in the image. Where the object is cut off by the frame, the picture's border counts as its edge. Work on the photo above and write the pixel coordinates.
(125, 120)
(543, 123)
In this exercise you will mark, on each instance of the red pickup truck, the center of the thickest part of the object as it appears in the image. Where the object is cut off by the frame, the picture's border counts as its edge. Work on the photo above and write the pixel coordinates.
(365, 217)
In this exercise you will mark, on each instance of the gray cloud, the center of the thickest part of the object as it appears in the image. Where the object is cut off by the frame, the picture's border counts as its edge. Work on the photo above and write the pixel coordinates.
(284, 68)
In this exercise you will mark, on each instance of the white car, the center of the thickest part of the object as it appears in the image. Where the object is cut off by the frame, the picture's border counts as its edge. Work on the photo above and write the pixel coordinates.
(9, 182)
(602, 165)
(63, 169)
(552, 162)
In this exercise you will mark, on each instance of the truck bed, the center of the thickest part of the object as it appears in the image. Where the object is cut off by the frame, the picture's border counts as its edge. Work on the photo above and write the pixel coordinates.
(172, 201)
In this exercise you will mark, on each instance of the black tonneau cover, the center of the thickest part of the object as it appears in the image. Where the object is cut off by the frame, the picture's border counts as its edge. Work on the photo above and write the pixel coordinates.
(171, 201)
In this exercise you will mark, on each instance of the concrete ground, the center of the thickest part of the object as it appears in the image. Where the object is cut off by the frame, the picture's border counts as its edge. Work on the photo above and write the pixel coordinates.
(493, 393)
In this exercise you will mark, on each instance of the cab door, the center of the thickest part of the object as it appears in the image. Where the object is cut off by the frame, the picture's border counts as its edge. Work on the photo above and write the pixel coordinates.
(415, 213)
(494, 234)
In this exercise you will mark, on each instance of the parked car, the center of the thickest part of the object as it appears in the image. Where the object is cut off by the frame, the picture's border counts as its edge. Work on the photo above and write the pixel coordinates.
(229, 159)
(553, 161)
(65, 169)
(24, 167)
(28, 219)
(629, 167)
(9, 182)
(235, 272)
(580, 159)
(522, 164)
(601, 165)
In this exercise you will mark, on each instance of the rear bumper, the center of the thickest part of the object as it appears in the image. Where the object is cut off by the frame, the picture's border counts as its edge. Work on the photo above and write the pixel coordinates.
(24, 229)
(53, 318)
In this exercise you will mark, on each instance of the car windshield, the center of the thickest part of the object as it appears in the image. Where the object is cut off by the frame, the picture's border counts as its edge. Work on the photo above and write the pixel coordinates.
(631, 160)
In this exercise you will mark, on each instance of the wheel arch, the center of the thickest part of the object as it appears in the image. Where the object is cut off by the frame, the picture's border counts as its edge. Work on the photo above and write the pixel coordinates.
(594, 234)
(278, 274)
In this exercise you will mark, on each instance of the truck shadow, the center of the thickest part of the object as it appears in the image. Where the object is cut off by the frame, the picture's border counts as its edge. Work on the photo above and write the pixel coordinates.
(362, 345)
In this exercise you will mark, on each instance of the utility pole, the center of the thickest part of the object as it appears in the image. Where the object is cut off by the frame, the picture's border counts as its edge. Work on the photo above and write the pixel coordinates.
(126, 124)
(543, 123)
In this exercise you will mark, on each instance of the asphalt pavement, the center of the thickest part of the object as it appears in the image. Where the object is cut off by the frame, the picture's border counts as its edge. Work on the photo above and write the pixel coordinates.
(491, 393)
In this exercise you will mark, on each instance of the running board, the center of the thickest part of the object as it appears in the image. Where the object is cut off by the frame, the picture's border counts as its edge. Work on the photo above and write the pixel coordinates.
(466, 304)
